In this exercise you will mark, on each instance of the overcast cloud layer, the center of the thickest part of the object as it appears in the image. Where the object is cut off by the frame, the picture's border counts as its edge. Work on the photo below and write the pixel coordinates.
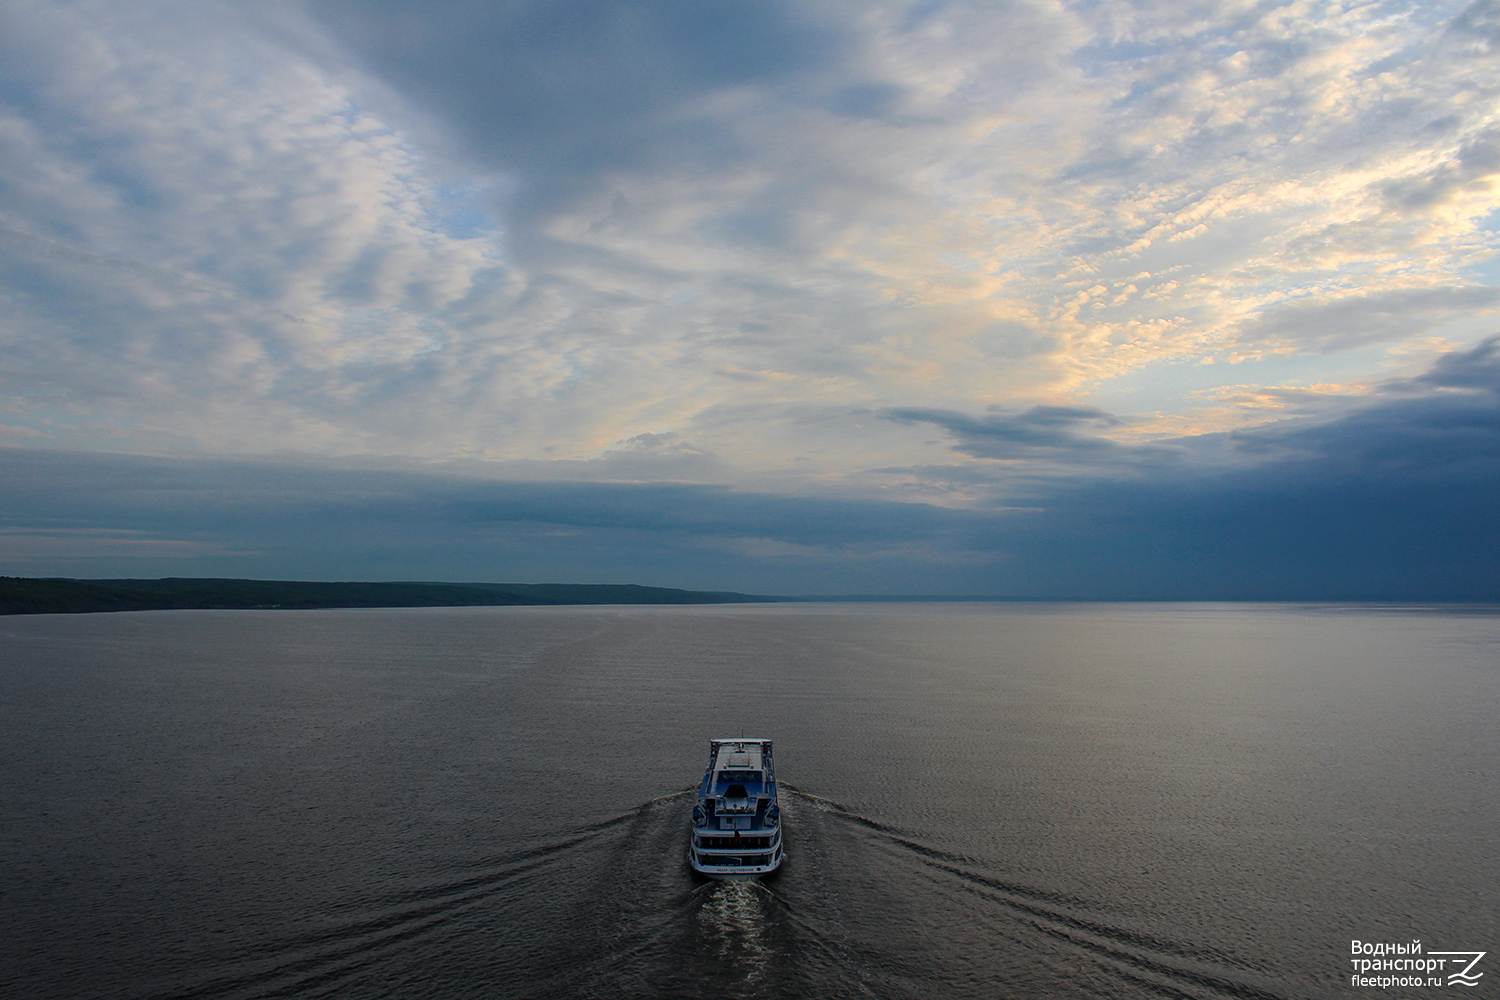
(1036, 298)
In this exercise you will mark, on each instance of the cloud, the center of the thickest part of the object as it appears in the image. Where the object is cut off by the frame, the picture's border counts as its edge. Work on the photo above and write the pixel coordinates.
(1476, 369)
(1359, 319)
(568, 92)
(215, 517)
(1474, 33)
(1444, 422)
(682, 255)
(209, 243)
(1392, 497)
(1058, 432)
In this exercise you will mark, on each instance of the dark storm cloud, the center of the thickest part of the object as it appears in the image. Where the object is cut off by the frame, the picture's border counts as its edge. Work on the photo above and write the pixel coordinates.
(152, 516)
(1445, 419)
(1395, 498)
(69, 490)
(1477, 369)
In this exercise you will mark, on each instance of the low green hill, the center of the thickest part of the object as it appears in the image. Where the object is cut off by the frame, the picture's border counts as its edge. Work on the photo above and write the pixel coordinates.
(20, 596)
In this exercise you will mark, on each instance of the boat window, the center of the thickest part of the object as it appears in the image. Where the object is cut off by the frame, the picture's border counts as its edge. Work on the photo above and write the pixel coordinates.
(732, 843)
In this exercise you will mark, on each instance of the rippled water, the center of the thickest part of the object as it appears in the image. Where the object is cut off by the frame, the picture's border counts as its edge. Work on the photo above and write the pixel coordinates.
(980, 801)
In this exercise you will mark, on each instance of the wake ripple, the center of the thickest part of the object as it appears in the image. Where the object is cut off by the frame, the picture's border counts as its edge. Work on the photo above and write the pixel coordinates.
(1162, 966)
(611, 909)
(383, 923)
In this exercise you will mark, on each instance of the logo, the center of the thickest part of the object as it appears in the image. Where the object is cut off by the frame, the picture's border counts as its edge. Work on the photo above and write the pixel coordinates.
(1465, 976)
(1385, 964)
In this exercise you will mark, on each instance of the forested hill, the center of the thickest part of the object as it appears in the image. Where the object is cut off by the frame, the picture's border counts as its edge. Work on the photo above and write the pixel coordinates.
(20, 596)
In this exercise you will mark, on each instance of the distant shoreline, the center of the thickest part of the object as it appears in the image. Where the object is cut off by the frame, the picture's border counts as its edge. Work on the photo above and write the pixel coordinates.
(38, 596)
(61, 595)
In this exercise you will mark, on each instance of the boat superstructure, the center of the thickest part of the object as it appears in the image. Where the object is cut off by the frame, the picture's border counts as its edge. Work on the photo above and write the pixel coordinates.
(737, 821)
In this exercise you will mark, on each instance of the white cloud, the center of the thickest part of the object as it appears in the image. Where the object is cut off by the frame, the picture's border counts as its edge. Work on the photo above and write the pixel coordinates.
(207, 241)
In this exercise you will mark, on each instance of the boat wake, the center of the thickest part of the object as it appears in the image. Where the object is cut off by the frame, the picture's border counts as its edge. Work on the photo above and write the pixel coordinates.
(611, 908)
(348, 942)
(1022, 915)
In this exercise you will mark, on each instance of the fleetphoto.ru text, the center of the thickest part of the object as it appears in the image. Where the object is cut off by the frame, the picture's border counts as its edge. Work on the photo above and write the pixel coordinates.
(1387, 964)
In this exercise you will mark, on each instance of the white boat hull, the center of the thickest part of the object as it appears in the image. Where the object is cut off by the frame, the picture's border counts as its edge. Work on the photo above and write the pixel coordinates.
(734, 873)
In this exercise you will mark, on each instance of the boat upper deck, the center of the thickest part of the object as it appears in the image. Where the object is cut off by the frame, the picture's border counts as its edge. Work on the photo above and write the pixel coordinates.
(740, 772)
(739, 754)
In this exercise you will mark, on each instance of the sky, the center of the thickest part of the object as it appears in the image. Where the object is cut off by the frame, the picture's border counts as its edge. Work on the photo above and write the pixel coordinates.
(1028, 298)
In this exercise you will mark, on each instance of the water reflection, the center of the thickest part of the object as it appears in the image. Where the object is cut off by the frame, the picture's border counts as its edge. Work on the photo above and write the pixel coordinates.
(734, 921)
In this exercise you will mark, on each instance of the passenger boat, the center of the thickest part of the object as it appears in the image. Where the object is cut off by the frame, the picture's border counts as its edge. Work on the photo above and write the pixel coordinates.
(737, 821)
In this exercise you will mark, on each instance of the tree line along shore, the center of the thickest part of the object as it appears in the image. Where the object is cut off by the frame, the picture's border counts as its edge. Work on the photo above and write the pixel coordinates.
(22, 595)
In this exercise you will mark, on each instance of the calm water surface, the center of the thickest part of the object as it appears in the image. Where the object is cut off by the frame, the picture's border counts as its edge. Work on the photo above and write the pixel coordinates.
(981, 801)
